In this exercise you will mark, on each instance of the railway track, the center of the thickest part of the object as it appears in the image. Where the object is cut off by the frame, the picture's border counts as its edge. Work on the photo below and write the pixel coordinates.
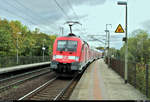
(54, 89)
(8, 83)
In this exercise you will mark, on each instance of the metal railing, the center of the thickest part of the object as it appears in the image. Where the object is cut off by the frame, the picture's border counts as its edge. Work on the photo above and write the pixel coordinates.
(9, 61)
(138, 74)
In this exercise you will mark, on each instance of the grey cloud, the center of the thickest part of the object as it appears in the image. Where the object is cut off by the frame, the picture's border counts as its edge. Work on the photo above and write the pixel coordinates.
(88, 2)
(43, 12)
(49, 7)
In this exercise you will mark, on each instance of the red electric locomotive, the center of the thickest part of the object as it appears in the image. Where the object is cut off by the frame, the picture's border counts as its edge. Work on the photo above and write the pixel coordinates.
(70, 55)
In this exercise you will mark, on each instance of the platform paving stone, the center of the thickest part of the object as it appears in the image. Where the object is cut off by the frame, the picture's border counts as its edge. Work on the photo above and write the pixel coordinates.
(110, 86)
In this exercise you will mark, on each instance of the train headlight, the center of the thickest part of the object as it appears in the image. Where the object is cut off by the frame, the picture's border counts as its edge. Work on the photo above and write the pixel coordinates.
(54, 57)
(73, 58)
(77, 58)
(57, 56)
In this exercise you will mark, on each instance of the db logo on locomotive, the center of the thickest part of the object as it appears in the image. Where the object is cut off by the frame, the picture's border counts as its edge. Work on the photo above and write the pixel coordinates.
(65, 57)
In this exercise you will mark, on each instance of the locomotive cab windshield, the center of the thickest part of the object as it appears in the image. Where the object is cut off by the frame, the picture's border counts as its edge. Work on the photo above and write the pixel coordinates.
(67, 45)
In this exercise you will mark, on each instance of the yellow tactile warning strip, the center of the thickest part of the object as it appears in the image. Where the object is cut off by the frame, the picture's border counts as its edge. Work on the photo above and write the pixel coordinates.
(88, 87)
(97, 91)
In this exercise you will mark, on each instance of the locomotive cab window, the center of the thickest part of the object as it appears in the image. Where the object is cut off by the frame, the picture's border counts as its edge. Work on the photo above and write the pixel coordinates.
(66, 45)
(61, 45)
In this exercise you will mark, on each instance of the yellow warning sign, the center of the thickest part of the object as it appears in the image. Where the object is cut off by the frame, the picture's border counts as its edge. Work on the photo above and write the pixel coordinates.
(119, 29)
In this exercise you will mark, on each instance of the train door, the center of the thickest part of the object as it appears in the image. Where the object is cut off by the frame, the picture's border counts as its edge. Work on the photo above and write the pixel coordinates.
(82, 54)
(85, 54)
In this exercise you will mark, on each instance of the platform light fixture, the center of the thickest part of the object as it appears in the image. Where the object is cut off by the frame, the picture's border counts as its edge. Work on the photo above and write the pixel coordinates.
(126, 41)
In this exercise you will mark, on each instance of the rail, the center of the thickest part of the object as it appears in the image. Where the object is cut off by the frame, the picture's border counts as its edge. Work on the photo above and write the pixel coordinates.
(4, 88)
(60, 95)
(37, 89)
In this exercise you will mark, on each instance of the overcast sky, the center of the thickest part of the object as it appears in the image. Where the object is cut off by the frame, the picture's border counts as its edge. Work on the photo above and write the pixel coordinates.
(50, 15)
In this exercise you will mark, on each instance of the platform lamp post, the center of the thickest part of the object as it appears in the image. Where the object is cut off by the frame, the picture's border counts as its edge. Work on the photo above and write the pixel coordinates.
(126, 42)
(17, 49)
(108, 38)
(43, 48)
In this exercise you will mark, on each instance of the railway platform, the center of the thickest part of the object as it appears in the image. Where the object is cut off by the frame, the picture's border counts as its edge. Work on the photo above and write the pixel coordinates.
(102, 83)
(22, 67)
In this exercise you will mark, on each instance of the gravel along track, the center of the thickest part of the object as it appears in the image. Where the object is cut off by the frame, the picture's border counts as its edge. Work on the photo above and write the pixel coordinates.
(59, 89)
(55, 89)
(69, 89)
(17, 91)
(6, 85)
(50, 91)
(13, 79)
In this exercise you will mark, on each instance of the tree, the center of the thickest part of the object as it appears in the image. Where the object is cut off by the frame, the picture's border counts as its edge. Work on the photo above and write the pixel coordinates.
(6, 45)
(138, 47)
(30, 43)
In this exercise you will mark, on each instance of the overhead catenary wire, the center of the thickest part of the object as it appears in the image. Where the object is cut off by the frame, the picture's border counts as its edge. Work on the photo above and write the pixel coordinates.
(14, 7)
(26, 19)
(63, 11)
(68, 1)
(32, 12)
(17, 15)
